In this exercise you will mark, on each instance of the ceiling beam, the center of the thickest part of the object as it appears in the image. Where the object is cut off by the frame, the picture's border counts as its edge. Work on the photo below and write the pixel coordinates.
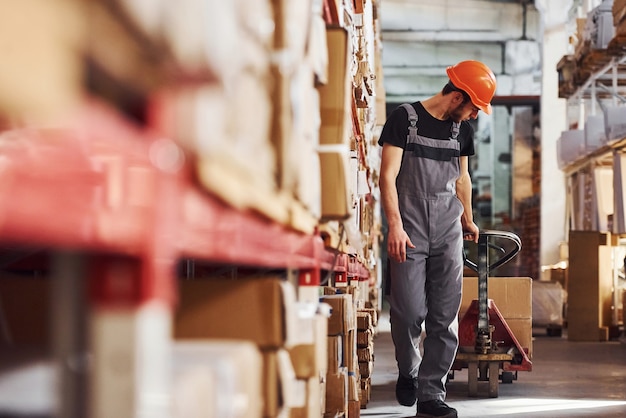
(443, 36)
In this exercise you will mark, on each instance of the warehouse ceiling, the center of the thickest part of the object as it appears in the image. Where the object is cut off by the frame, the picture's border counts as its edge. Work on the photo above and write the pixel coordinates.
(421, 38)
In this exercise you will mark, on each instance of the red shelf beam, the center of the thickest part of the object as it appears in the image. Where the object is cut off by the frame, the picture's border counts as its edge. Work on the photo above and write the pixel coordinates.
(100, 184)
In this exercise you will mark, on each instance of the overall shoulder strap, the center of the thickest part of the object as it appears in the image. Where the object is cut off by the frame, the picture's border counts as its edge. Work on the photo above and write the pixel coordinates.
(454, 130)
(412, 118)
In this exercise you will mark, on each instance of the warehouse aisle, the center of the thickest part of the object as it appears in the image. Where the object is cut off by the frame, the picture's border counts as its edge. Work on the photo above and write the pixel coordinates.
(569, 379)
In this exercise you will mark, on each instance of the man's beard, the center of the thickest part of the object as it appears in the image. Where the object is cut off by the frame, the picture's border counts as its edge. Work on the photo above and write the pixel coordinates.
(457, 114)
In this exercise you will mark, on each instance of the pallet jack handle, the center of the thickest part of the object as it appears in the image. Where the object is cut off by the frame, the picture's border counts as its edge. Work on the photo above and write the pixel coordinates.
(484, 237)
(482, 267)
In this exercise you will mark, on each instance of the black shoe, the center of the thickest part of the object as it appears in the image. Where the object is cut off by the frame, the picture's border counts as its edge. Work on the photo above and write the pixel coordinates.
(405, 391)
(436, 408)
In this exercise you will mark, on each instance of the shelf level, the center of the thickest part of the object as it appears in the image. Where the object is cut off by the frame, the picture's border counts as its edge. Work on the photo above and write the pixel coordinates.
(101, 184)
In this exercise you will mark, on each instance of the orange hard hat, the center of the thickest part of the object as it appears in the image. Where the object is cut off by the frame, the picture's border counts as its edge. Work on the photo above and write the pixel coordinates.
(477, 80)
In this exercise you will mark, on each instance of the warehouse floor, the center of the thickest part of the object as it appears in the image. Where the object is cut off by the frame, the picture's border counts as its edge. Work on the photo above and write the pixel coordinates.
(569, 379)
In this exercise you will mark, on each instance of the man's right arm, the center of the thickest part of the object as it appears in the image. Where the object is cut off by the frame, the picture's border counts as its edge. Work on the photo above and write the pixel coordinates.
(397, 238)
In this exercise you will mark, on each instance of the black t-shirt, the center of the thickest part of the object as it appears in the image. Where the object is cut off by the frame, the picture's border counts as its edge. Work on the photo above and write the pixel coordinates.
(396, 129)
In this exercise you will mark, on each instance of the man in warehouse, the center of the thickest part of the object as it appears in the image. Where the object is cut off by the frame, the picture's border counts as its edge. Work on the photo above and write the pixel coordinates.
(426, 195)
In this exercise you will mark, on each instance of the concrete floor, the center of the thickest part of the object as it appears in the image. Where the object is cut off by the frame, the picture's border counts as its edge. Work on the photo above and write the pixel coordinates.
(569, 379)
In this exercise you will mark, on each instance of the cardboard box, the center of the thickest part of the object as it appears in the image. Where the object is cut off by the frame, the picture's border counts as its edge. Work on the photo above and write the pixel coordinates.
(511, 295)
(42, 77)
(343, 316)
(590, 286)
(282, 392)
(354, 408)
(354, 387)
(335, 353)
(261, 310)
(366, 368)
(365, 338)
(311, 360)
(337, 392)
(336, 95)
(365, 354)
(314, 406)
(366, 390)
(336, 184)
(209, 375)
(364, 320)
(350, 359)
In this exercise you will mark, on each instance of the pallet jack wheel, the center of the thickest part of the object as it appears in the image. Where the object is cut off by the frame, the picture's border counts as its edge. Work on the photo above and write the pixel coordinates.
(508, 377)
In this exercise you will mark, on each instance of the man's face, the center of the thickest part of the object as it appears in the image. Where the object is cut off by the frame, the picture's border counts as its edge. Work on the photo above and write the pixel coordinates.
(464, 111)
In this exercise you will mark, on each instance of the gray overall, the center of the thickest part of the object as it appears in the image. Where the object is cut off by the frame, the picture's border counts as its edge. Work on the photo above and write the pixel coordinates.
(426, 288)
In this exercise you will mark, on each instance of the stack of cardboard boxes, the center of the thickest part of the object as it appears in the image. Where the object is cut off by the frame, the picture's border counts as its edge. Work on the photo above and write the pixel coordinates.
(367, 320)
(289, 336)
(351, 331)
(343, 372)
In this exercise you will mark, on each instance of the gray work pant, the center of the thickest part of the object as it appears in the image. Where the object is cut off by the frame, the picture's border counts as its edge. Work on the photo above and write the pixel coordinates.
(426, 289)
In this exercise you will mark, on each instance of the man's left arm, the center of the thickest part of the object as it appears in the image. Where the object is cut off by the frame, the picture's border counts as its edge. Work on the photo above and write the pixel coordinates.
(464, 193)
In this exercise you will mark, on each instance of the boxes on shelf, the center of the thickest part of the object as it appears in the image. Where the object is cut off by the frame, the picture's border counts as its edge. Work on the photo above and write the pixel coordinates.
(337, 393)
(336, 184)
(42, 77)
(336, 95)
(262, 310)
(615, 122)
(343, 314)
(599, 28)
(282, 390)
(595, 134)
(216, 378)
(566, 69)
(570, 146)
(619, 11)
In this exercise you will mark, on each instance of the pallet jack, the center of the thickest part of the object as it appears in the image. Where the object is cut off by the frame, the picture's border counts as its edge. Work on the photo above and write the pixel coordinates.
(487, 346)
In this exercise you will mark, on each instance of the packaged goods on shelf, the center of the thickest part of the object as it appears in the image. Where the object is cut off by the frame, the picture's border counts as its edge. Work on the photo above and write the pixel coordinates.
(336, 95)
(42, 72)
(619, 11)
(570, 146)
(599, 27)
(295, 136)
(595, 135)
(216, 379)
(619, 188)
(282, 391)
(309, 353)
(336, 182)
(591, 192)
(262, 310)
(343, 316)
(566, 69)
(337, 393)
(603, 198)
(615, 122)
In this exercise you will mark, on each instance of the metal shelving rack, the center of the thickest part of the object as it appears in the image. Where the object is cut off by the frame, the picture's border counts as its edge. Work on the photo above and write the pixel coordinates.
(118, 223)
(596, 77)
